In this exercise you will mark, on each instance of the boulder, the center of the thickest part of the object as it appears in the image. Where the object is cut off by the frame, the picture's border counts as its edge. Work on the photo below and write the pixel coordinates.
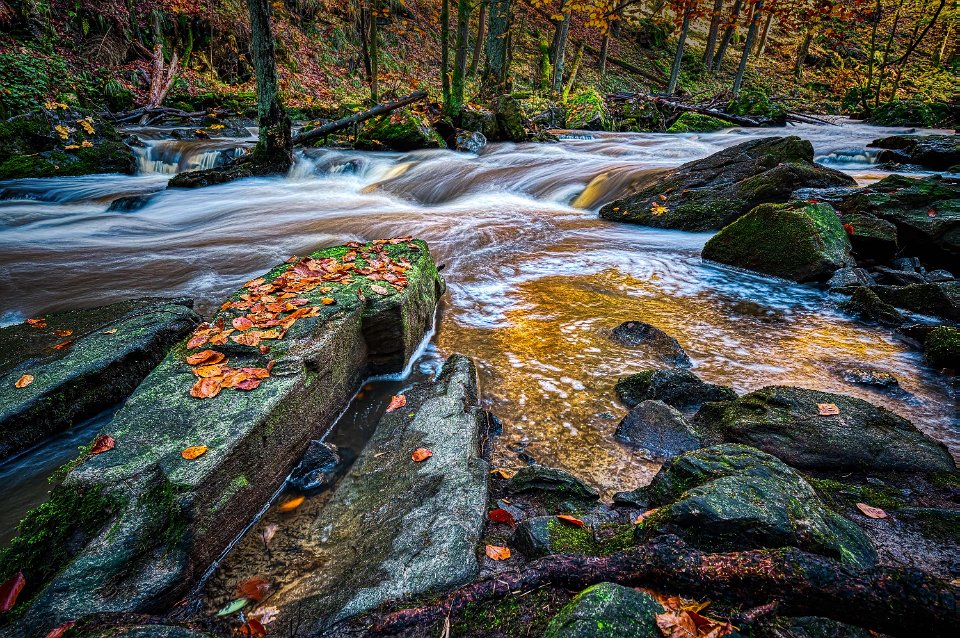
(733, 498)
(942, 347)
(868, 377)
(871, 237)
(539, 536)
(801, 242)
(657, 428)
(695, 123)
(480, 120)
(587, 110)
(541, 478)
(402, 130)
(678, 388)
(710, 193)
(936, 152)
(511, 124)
(318, 467)
(849, 277)
(61, 141)
(639, 334)
(131, 529)
(371, 536)
(607, 610)
(935, 299)
(865, 304)
(786, 422)
(82, 362)
(469, 142)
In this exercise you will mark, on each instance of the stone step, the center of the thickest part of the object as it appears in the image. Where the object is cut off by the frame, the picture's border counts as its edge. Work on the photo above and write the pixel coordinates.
(133, 528)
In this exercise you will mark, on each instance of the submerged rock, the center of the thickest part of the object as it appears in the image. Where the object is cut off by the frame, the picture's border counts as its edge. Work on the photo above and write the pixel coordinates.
(402, 130)
(317, 468)
(936, 152)
(549, 479)
(710, 193)
(733, 498)
(149, 521)
(82, 362)
(677, 388)
(607, 610)
(801, 242)
(657, 428)
(874, 378)
(935, 299)
(865, 304)
(786, 422)
(371, 536)
(662, 345)
(942, 347)
(848, 277)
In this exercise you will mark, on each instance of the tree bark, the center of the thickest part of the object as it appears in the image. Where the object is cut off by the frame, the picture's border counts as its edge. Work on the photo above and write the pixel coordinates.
(494, 78)
(728, 34)
(802, 53)
(445, 51)
(762, 44)
(460, 62)
(274, 151)
(563, 31)
(678, 57)
(545, 68)
(712, 34)
(573, 73)
(602, 60)
(374, 54)
(751, 36)
(481, 33)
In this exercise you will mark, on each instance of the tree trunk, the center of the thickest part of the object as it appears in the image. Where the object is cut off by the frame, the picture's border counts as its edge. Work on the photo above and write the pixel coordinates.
(274, 151)
(802, 53)
(573, 73)
(363, 17)
(445, 50)
(864, 95)
(602, 60)
(882, 71)
(762, 44)
(545, 68)
(678, 58)
(374, 54)
(495, 66)
(751, 36)
(481, 33)
(711, 46)
(561, 48)
(460, 63)
(728, 34)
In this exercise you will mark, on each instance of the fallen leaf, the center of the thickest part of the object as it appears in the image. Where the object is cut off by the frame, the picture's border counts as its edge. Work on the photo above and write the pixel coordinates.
(57, 632)
(249, 339)
(248, 384)
(571, 520)
(207, 357)
(396, 402)
(242, 323)
(849, 228)
(264, 349)
(932, 212)
(111, 331)
(380, 290)
(62, 333)
(292, 504)
(658, 209)
(252, 629)
(10, 590)
(24, 381)
(827, 409)
(328, 301)
(63, 345)
(496, 552)
(206, 388)
(501, 515)
(421, 454)
(640, 517)
(37, 323)
(504, 473)
(872, 512)
(206, 371)
(265, 615)
(194, 451)
(268, 532)
(233, 607)
(255, 588)
(102, 444)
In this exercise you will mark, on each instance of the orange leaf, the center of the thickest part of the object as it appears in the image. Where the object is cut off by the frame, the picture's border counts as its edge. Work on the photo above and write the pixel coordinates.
(57, 632)
(111, 331)
(253, 629)
(497, 552)
(62, 333)
(571, 520)
(249, 339)
(872, 512)
(207, 357)
(255, 588)
(504, 473)
(63, 345)
(328, 301)
(242, 323)
(421, 454)
(396, 402)
(500, 515)
(10, 590)
(103, 443)
(208, 371)
(24, 381)
(640, 518)
(193, 452)
(292, 504)
(248, 384)
(37, 323)
(827, 409)
(206, 388)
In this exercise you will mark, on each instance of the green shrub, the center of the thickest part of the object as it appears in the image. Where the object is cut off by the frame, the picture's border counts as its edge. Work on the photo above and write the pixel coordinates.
(754, 102)
(909, 113)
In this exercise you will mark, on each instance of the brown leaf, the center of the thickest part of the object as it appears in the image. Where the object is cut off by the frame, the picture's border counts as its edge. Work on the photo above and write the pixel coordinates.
(421, 454)
(193, 452)
(500, 515)
(268, 532)
(63, 345)
(827, 409)
(571, 520)
(380, 290)
(242, 323)
(248, 384)
(396, 402)
(328, 301)
(496, 552)
(10, 590)
(255, 588)
(248, 339)
(872, 512)
(640, 517)
(252, 629)
(62, 333)
(206, 357)
(292, 504)
(24, 381)
(102, 444)
(206, 388)
(111, 331)
(504, 473)
(57, 632)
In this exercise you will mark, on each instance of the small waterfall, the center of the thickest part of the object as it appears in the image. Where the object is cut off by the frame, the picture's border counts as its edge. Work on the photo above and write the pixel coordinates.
(169, 157)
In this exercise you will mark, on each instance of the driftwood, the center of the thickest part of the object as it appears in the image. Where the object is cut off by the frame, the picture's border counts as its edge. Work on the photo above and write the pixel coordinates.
(808, 119)
(160, 80)
(160, 112)
(322, 131)
(679, 106)
(897, 601)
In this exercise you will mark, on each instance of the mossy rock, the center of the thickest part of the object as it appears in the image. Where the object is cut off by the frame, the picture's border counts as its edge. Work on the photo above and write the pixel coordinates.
(676, 388)
(734, 498)
(587, 110)
(910, 113)
(543, 535)
(60, 142)
(540, 478)
(696, 123)
(399, 131)
(871, 237)
(942, 347)
(607, 610)
(801, 242)
(865, 304)
(938, 300)
(936, 152)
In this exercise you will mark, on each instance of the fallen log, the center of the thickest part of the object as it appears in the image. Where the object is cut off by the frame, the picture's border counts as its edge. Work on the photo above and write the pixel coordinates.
(890, 600)
(739, 120)
(808, 119)
(163, 111)
(315, 134)
(626, 65)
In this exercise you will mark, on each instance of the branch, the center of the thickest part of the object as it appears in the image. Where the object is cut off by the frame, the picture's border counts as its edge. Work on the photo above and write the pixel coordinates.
(918, 40)
(322, 131)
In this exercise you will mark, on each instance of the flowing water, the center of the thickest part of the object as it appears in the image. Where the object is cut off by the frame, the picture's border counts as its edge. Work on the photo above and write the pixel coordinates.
(536, 280)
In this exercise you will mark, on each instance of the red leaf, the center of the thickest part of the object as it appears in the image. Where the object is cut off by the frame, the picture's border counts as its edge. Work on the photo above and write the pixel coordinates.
(255, 588)
(103, 443)
(571, 520)
(10, 590)
(396, 402)
(500, 515)
(421, 454)
(58, 632)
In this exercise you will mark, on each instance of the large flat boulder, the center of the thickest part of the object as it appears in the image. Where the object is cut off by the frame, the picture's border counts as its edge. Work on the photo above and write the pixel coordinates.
(132, 528)
(710, 193)
(936, 152)
(797, 241)
(937, 299)
(787, 423)
(395, 527)
(607, 610)
(81, 362)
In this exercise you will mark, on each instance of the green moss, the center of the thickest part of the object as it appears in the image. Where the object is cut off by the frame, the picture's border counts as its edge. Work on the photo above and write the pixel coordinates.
(587, 110)
(942, 347)
(840, 495)
(165, 520)
(570, 539)
(696, 123)
(516, 616)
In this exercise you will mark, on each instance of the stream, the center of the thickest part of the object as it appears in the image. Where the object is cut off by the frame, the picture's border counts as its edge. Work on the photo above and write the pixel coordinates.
(535, 279)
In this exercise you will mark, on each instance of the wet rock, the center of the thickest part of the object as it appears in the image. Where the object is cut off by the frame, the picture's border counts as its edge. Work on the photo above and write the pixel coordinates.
(657, 428)
(469, 142)
(817, 627)
(539, 536)
(865, 304)
(907, 264)
(639, 334)
(849, 277)
(371, 536)
(61, 141)
(587, 110)
(895, 277)
(511, 125)
(710, 193)
(92, 369)
(607, 610)
(695, 123)
(938, 276)
(117, 629)
(874, 378)
(942, 347)
(148, 521)
(801, 242)
(677, 388)
(937, 300)
(541, 478)
(936, 152)
(786, 422)
(318, 468)
(483, 121)
(399, 131)
(871, 237)
(129, 204)
(733, 498)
